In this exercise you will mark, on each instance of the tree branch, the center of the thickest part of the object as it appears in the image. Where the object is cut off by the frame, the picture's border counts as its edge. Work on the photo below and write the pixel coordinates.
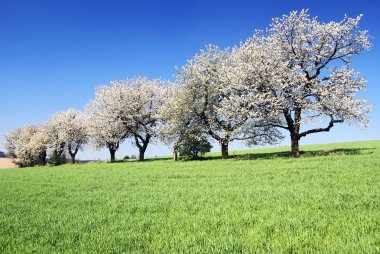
(326, 129)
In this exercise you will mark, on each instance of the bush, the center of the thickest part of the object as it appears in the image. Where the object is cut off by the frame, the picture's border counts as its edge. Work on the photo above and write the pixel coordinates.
(56, 159)
(193, 147)
(126, 157)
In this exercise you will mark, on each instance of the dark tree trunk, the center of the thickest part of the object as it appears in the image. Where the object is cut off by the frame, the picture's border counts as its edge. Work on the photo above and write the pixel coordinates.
(294, 126)
(142, 147)
(43, 158)
(142, 154)
(295, 145)
(176, 147)
(112, 152)
(72, 153)
(224, 147)
(72, 158)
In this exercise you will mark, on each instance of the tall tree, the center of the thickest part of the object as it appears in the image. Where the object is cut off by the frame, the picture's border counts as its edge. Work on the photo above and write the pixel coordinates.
(302, 69)
(143, 100)
(103, 121)
(210, 95)
(56, 145)
(176, 122)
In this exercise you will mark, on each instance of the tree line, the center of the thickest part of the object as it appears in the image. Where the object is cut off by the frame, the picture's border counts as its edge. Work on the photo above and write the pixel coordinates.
(295, 74)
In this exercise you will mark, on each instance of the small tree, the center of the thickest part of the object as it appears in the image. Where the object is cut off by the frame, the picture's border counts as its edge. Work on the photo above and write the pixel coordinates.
(65, 131)
(73, 131)
(30, 147)
(10, 141)
(192, 147)
(57, 159)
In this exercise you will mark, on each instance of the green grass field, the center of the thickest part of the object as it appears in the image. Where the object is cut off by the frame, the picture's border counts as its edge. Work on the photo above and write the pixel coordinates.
(260, 201)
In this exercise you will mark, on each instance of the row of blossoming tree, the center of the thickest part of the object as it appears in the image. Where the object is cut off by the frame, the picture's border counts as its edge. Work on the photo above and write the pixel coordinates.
(294, 75)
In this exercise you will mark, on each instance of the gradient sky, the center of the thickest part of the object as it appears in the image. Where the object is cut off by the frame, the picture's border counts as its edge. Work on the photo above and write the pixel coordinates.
(54, 53)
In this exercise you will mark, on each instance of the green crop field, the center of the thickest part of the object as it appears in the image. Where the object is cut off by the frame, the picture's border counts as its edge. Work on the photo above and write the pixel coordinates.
(259, 201)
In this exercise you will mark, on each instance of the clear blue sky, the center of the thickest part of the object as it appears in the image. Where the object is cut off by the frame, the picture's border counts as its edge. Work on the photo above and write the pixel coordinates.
(54, 53)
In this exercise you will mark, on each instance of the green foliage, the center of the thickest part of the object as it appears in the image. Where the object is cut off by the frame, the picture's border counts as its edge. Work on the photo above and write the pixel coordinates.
(31, 160)
(55, 159)
(260, 201)
(191, 147)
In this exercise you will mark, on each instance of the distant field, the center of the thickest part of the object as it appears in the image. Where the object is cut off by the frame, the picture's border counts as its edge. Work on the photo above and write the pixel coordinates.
(260, 201)
(7, 163)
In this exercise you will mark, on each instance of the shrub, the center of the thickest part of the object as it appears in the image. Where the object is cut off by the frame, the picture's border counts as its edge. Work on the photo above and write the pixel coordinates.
(192, 147)
(56, 159)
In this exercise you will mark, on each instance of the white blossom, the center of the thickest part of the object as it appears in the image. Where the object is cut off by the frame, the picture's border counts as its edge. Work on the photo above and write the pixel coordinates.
(66, 131)
(211, 99)
(103, 126)
(10, 141)
(139, 111)
(30, 146)
(123, 109)
(301, 68)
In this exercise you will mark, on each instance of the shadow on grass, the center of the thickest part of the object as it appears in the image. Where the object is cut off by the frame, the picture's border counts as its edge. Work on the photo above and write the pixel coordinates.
(288, 154)
(130, 160)
(304, 154)
(262, 156)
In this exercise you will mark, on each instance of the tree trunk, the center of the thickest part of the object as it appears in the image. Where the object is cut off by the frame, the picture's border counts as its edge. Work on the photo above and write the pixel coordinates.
(72, 153)
(72, 158)
(224, 147)
(43, 158)
(295, 145)
(142, 147)
(175, 151)
(142, 153)
(112, 152)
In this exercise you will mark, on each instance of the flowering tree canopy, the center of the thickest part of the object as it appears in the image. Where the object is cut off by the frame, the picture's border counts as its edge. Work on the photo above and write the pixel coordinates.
(143, 99)
(209, 95)
(302, 69)
(54, 138)
(123, 109)
(67, 129)
(104, 127)
(176, 122)
(296, 74)
(27, 146)
(10, 142)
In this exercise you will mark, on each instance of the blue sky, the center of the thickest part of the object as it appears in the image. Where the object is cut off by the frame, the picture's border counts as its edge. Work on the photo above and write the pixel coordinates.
(54, 53)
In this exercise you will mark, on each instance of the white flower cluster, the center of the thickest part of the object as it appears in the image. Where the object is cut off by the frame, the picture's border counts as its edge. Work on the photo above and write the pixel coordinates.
(66, 131)
(125, 109)
(26, 145)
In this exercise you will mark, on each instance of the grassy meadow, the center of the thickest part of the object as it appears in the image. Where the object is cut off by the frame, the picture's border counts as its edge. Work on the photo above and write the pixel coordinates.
(259, 201)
